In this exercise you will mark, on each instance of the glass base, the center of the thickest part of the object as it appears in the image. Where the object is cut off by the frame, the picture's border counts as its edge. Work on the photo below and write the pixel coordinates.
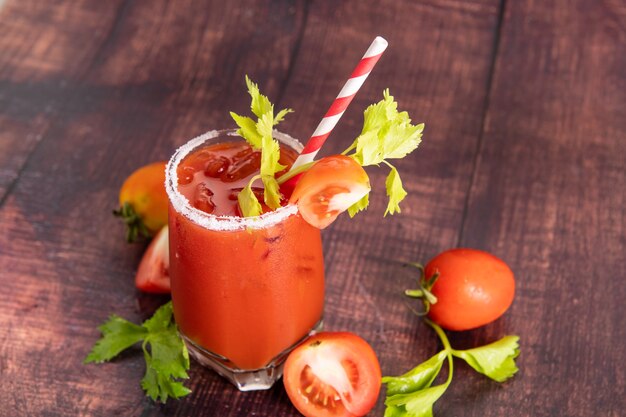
(245, 379)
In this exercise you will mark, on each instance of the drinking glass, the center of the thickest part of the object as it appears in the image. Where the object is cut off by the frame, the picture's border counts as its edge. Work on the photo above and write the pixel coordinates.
(245, 291)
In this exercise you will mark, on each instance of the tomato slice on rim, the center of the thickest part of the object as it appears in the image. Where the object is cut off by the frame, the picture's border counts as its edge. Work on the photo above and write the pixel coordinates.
(333, 374)
(328, 188)
(153, 272)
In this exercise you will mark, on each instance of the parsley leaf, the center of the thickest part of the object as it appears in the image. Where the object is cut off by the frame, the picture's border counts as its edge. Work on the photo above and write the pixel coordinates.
(166, 355)
(420, 377)
(496, 360)
(248, 202)
(359, 205)
(259, 135)
(117, 335)
(272, 195)
(386, 134)
(415, 404)
(395, 191)
(411, 394)
(247, 130)
(260, 104)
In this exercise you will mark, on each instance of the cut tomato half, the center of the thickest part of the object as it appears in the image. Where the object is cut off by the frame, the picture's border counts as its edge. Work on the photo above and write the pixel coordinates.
(153, 272)
(333, 374)
(329, 188)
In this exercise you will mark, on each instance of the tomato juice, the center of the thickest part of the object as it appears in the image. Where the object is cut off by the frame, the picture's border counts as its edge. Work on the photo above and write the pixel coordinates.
(244, 290)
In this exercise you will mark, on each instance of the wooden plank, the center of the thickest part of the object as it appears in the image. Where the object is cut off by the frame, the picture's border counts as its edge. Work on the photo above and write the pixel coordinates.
(45, 48)
(439, 73)
(165, 73)
(163, 68)
(548, 197)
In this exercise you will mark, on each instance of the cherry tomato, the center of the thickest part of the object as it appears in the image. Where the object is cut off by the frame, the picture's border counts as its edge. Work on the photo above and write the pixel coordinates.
(143, 201)
(153, 272)
(328, 188)
(473, 288)
(333, 375)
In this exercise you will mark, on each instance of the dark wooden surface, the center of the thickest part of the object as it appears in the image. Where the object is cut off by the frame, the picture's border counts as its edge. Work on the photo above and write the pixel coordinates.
(524, 156)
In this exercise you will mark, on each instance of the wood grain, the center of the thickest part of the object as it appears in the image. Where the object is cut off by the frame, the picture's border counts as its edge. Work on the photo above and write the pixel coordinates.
(548, 196)
(523, 156)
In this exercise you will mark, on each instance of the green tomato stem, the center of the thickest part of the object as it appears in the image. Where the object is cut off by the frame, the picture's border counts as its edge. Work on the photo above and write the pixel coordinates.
(414, 293)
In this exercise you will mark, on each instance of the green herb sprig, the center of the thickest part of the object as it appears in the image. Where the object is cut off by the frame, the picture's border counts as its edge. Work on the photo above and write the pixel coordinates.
(165, 353)
(387, 134)
(259, 135)
(412, 394)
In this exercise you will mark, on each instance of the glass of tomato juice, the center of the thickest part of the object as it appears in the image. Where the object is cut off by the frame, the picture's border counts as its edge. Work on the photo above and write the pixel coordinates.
(245, 291)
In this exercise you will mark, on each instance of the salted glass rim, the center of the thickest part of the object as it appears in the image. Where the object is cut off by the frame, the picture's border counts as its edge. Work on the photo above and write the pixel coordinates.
(182, 205)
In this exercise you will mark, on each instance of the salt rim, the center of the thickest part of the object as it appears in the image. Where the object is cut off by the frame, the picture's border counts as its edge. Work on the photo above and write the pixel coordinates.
(221, 223)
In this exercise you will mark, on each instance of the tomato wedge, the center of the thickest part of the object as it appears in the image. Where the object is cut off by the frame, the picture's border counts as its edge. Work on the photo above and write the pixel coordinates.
(333, 374)
(328, 188)
(153, 272)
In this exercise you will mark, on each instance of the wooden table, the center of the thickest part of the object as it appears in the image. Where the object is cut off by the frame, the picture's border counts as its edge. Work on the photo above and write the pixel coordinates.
(523, 156)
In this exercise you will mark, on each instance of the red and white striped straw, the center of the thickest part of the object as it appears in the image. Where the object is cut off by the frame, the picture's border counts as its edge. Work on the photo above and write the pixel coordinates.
(339, 106)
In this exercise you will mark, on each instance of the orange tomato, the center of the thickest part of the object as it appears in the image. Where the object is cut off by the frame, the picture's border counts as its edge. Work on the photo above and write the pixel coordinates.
(143, 201)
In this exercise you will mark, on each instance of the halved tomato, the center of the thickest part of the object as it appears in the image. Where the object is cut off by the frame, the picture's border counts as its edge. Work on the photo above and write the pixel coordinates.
(333, 374)
(328, 188)
(153, 272)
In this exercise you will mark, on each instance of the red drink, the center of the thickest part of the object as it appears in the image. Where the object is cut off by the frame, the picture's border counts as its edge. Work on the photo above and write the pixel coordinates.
(245, 290)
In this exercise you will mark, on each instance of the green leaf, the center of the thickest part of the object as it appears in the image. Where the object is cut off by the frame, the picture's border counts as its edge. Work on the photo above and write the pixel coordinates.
(419, 403)
(270, 156)
(260, 104)
(393, 411)
(167, 351)
(386, 134)
(369, 150)
(271, 194)
(161, 319)
(420, 377)
(164, 351)
(264, 127)
(281, 115)
(247, 130)
(260, 136)
(395, 191)
(495, 360)
(248, 202)
(160, 386)
(359, 205)
(117, 335)
(402, 139)
(376, 115)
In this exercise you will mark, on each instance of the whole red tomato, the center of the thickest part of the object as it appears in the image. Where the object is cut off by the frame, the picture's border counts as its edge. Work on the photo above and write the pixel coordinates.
(472, 288)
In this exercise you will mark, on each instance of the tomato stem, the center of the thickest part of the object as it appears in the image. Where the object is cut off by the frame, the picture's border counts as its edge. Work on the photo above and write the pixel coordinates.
(424, 291)
(134, 223)
(414, 293)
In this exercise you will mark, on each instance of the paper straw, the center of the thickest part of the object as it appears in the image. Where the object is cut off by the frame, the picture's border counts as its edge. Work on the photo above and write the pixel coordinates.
(339, 106)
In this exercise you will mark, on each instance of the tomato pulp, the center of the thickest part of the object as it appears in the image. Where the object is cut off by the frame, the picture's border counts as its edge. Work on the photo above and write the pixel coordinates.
(244, 293)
